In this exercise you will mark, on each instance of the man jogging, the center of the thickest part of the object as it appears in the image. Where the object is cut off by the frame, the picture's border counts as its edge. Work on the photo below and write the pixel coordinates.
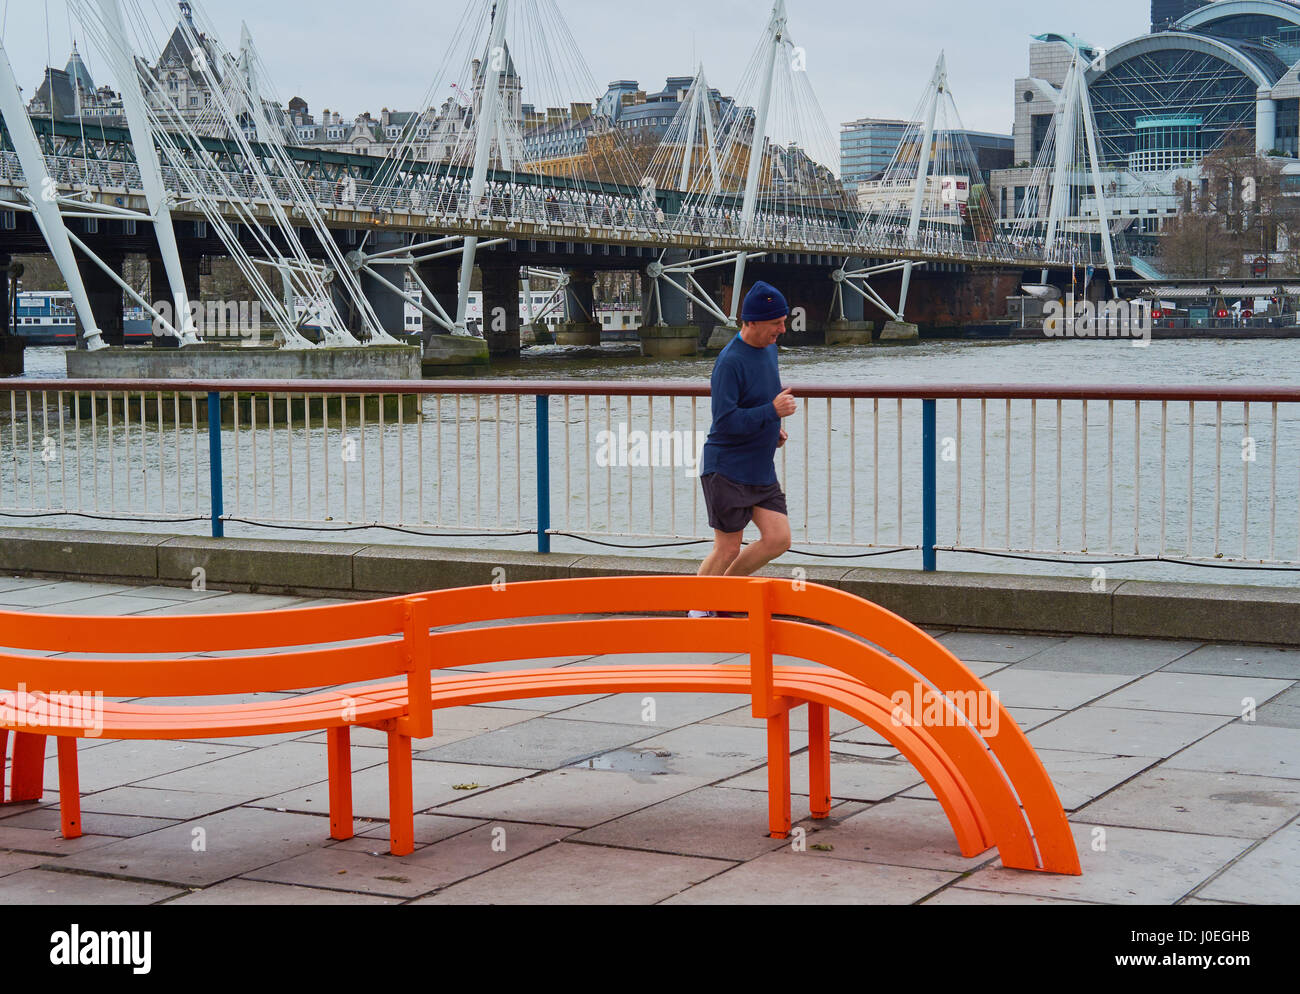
(738, 471)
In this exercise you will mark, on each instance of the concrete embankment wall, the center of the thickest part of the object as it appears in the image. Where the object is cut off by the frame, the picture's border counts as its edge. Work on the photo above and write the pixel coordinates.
(991, 602)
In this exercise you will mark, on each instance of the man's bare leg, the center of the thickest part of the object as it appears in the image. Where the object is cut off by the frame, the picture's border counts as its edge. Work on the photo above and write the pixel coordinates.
(725, 550)
(775, 543)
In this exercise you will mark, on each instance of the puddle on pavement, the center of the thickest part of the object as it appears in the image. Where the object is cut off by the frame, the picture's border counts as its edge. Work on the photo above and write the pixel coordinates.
(655, 762)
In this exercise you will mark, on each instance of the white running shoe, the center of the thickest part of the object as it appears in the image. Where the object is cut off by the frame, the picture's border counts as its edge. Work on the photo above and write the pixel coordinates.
(703, 614)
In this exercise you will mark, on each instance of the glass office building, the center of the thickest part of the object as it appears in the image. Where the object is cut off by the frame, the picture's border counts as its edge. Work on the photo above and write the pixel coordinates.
(867, 146)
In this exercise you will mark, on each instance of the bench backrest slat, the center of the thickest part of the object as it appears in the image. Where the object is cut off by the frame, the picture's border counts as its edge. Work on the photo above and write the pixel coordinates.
(205, 677)
(202, 633)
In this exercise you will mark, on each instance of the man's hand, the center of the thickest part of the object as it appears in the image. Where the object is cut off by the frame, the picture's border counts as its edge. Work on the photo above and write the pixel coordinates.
(784, 404)
(784, 438)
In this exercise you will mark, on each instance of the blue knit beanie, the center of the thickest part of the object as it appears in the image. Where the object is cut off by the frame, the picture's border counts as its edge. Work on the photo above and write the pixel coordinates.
(764, 303)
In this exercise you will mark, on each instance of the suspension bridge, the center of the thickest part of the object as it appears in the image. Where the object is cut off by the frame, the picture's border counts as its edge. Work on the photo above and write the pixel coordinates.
(734, 190)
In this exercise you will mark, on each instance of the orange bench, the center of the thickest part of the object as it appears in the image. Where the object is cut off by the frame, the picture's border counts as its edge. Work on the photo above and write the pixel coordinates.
(991, 784)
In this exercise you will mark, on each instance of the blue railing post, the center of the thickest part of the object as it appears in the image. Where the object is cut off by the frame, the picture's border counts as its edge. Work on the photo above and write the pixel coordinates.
(930, 485)
(214, 465)
(544, 475)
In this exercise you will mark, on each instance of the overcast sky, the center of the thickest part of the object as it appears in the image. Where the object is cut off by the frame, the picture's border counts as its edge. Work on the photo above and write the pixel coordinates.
(866, 58)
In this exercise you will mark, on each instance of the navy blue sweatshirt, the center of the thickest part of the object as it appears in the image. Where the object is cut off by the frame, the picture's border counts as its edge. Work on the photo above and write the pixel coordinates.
(746, 428)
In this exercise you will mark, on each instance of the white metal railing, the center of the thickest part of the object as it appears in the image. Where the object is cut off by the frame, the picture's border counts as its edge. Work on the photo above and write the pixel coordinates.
(1186, 474)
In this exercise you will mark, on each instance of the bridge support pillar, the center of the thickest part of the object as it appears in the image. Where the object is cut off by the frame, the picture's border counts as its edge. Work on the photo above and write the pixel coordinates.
(105, 299)
(850, 326)
(389, 308)
(160, 293)
(581, 327)
(444, 351)
(666, 331)
(501, 310)
(11, 345)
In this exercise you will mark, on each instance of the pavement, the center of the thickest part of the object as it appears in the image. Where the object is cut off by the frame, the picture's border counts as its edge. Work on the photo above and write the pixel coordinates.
(1173, 795)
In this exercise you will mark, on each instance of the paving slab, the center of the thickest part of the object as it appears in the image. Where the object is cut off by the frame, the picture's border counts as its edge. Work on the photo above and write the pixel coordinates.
(1079, 777)
(1193, 801)
(233, 843)
(428, 830)
(992, 648)
(230, 604)
(243, 892)
(573, 797)
(150, 802)
(115, 763)
(13, 862)
(38, 840)
(1026, 688)
(432, 784)
(103, 606)
(452, 725)
(700, 751)
(1107, 654)
(710, 821)
(1282, 711)
(567, 873)
(1195, 693)
(901, 831)
(11, 583)
(1123, 732)
(64, 593)
(545, 742)
(1268, 874)
(424, 871)
(1245, 747)
(957, 895)
(789, 878)
(46, 887)
(853, 778)
(1241, 660)
(258, 773)
(1137, 866)
(118, 826)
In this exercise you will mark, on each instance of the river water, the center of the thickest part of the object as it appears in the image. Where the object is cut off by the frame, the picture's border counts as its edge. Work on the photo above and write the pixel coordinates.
(851, 498)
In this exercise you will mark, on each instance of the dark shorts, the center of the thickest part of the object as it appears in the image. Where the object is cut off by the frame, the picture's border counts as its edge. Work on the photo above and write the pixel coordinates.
(731, 505)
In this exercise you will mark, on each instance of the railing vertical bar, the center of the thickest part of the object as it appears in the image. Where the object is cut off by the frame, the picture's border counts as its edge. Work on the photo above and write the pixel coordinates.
(853, 471)
(1245, 483)
(144, 455)
(695, 491)
(162, 473)
(830, 462)
(194, 444)
(94, 453)
(439, 464)
(984, 490)
(214, 465)
(929, 485)
(609, 468)
(960, 478)
(1110, 476)
(807, 495)
(344, 451)
(631, 516)
(460, 456)
(176, 443)
(568, 467)
(1218, 473)
(270, 442)
(672, 490)
(361, 431)
(875, 470)
(112, 463)
(478, 461)
(288, 445)
(45, 433)
(1060, 470)
(1033, 474)
(1272, 500)
(1137, 477)
(1191, 472)
(543, 475)
(1164, 479)
(126, 440)
(902, 540)
(306, 448)
(1007, 474)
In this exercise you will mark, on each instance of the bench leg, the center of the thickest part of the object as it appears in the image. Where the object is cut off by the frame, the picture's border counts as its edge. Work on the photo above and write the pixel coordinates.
(69, 789)
(401, 815)
(29, 768)
(819, 760)
(340, 767)
(778, 775)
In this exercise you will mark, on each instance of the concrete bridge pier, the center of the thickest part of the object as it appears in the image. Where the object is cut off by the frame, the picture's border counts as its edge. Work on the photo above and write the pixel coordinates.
(160, 292)
(851, 327)
(501, 309)
(443, 351)
(105, 298)
(11, 346)
(389, 308)
(579, 329)
(669, 335)
(808, 292)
